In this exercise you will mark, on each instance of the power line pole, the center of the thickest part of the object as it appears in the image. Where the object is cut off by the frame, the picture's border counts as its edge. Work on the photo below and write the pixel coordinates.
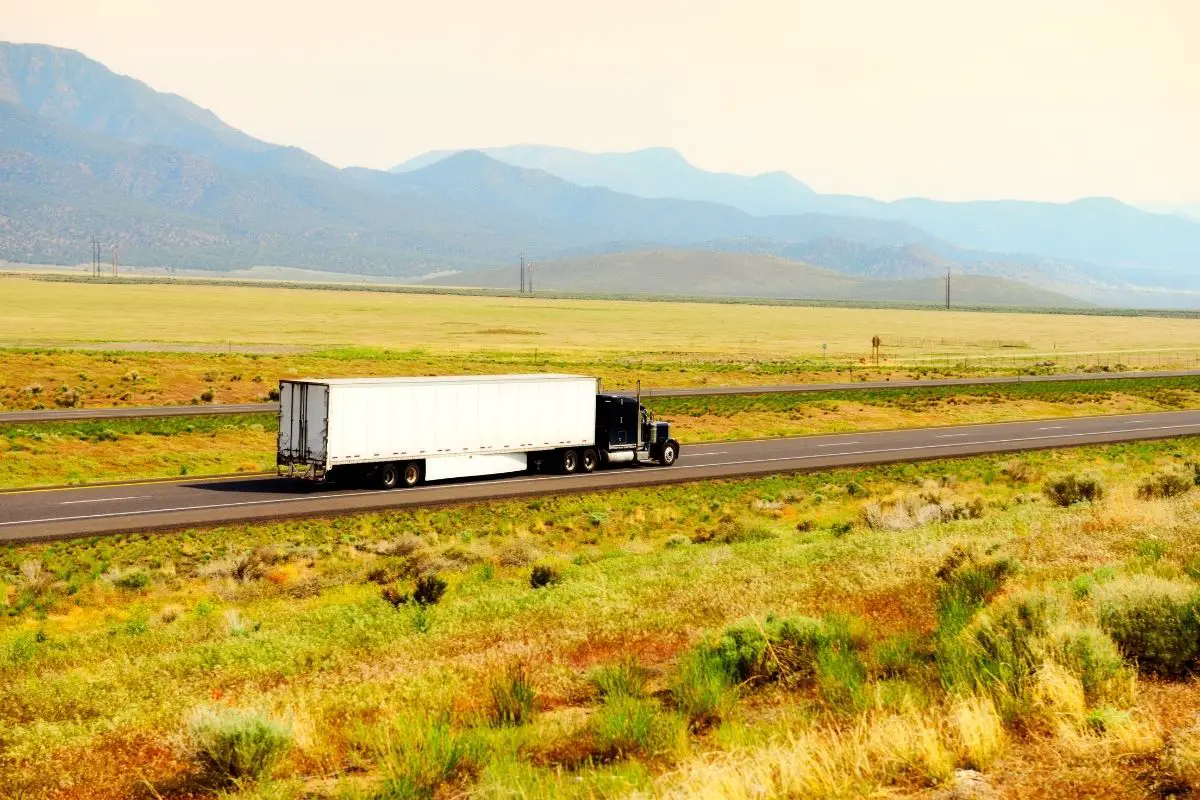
(114, 261)
(529, 269)
(522, 275)
(947, 288)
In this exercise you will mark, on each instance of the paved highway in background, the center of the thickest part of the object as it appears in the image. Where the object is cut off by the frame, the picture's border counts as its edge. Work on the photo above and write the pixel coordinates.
(53, 415)
(64, 513)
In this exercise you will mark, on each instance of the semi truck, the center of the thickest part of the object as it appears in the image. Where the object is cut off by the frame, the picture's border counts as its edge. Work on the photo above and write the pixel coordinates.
(398, 432)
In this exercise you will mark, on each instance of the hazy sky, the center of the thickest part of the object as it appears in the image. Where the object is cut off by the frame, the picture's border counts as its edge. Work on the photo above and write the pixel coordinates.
(955, 99)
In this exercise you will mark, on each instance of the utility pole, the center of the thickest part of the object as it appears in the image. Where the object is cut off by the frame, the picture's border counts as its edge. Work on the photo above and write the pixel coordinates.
(522, 275)
(114, 261)
(95, 257)
(529, 269)
(947, 288)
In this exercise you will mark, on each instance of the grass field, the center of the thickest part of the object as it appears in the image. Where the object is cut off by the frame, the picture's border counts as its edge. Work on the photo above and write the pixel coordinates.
(60, 453)
(33, 379)
(34, 313)
(899, 630)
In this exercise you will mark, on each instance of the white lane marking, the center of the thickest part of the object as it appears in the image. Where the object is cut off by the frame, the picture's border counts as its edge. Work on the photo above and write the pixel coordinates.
(713, 453)
(1051, 428)
(1132, 421)
(840, 444)
(936, 446)
(677, 468)
(952, 435)
(104, 500)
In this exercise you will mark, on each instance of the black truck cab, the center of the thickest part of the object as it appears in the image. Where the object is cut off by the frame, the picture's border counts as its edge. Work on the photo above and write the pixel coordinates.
(624, 426)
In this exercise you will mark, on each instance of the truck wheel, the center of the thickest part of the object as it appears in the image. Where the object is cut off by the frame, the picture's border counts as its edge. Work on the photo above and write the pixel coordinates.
(570, 461)
(412, 474)
(589, 461)
(389, 476)
(670, 452)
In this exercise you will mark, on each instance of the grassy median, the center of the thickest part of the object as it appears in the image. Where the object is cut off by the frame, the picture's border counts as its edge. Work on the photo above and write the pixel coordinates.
(1023, 625)
(79, 452)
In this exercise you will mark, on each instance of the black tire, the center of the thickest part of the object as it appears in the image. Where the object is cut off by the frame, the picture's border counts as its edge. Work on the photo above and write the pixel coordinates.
(570, 461)
(412, 474)
(669, 454)
(589, 460)
(389, 476)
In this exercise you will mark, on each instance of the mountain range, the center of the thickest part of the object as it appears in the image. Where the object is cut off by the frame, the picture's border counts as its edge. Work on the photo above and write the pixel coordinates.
(85, 152)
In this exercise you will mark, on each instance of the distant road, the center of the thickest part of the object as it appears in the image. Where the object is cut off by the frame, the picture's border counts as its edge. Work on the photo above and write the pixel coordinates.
(55, 415)
(65, 513)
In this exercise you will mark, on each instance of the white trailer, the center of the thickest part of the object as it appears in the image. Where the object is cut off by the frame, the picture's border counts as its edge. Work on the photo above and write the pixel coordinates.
(405, 430)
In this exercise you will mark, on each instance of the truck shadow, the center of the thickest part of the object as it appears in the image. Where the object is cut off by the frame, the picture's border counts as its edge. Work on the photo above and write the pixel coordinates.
(279, 486)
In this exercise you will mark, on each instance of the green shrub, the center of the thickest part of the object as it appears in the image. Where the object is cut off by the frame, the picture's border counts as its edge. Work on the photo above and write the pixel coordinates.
(703, 691)
(1153, 621)
(1105, 719)
(1004, 641)
(898, 655)
(234, 745)
(1090, 655)
(628, 726)
(625, 678)
(1067, 490)
(513, 697)
(742, 653)
(420, 757)
(968, 581)
(1151, 549)
(1082, 586)
(841, 677)
(1165, 483)
(207, 396)
(544, 575)
(133, 581)
(394, 595)
(794, 649)
(429, 589)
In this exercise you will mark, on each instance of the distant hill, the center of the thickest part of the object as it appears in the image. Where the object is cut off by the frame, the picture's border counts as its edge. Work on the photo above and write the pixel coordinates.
(72, 89)
(653, 172)
(1097, 230)
(722, 274)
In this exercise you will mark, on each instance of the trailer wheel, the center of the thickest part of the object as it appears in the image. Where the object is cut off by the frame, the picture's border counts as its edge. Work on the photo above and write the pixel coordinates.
(389, 476)
(590, 459)
(412, 474)
(670, 452)
(570, 461)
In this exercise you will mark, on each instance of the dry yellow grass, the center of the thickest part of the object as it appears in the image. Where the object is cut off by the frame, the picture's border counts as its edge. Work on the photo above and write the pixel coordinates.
(35, 312)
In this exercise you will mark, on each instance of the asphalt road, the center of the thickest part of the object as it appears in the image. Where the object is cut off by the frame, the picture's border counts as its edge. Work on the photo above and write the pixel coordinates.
(64, 513)
(58, 415)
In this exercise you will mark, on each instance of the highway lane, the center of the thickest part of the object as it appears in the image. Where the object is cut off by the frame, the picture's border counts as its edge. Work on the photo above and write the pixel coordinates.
(129, 412)
(62, 513)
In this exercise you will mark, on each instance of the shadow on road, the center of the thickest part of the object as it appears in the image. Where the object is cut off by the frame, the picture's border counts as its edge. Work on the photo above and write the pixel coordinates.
(277, 486)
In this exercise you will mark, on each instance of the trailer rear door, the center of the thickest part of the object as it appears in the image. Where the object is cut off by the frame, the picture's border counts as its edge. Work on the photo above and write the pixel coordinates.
(303, 422)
